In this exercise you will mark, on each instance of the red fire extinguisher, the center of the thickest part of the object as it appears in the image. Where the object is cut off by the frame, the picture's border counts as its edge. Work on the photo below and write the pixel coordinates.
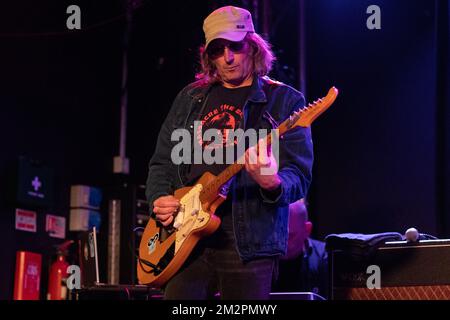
(57, 286)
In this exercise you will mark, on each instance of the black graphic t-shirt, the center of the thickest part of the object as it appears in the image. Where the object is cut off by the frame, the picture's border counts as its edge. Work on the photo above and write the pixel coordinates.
(222, 112)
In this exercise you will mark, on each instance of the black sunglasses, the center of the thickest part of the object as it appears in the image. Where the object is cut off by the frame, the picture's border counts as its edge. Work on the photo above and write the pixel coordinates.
(217, 50)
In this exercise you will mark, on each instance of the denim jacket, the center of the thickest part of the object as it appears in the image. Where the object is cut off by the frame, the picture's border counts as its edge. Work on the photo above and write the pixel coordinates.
(260, 220)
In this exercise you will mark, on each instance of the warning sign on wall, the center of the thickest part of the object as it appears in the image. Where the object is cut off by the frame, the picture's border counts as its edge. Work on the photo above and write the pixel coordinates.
(55, 226)
(25, 220)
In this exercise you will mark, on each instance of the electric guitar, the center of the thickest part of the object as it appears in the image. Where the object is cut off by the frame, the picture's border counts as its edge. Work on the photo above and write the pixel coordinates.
(163, 250)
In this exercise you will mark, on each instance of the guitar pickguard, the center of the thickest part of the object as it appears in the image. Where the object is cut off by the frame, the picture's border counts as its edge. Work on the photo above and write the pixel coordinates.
(191, 215)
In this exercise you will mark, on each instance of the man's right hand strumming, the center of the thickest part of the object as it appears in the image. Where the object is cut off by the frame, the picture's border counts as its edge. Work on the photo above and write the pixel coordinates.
(164, 208)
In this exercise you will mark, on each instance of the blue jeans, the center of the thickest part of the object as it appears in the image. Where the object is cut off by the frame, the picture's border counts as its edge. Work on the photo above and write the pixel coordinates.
(215, 266)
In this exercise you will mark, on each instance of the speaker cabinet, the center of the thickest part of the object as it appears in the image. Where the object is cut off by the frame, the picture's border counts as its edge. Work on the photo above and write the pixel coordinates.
(396, 271)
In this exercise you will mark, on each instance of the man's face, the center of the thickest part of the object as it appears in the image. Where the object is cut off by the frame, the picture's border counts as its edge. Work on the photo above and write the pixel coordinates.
(233, 62)
(299, 230)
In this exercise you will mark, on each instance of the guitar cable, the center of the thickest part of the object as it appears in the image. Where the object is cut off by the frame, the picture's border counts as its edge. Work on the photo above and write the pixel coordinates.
(140, 260)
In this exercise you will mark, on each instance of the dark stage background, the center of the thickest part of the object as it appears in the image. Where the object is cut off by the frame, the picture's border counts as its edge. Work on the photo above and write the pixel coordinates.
(381, 151)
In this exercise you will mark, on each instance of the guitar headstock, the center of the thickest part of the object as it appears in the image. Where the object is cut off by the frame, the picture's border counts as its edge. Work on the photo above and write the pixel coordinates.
(307, 115)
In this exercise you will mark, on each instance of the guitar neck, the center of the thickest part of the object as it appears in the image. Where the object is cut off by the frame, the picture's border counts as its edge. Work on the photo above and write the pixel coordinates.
(300, 118)
(234, 168)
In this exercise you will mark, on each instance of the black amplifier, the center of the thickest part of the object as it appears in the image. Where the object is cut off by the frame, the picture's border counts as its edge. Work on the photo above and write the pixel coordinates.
(397, 270)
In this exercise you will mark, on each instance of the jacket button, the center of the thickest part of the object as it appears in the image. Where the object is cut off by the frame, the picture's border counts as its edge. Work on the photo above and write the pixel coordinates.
(199, 100)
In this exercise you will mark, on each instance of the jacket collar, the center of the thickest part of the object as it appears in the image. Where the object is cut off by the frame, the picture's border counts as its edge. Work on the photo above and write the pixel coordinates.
(257, 94)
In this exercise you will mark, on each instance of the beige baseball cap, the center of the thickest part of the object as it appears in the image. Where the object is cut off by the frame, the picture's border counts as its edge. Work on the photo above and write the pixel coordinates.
(230, 23)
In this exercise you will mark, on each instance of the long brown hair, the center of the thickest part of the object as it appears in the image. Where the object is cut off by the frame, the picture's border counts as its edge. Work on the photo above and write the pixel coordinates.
(262, 55)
